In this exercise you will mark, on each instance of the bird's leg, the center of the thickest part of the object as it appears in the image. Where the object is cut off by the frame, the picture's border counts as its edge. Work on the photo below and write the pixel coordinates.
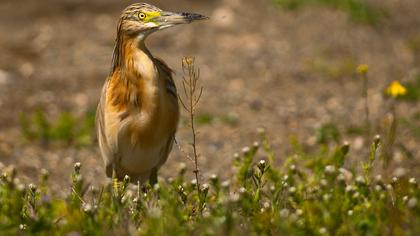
(153, 177)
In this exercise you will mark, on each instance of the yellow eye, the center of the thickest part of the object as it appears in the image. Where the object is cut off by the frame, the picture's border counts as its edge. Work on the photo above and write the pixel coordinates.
(142, 15)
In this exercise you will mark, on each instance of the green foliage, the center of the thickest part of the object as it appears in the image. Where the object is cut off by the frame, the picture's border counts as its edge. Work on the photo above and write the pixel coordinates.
(413, 91)
(328, 132)
(208, 119)
(412, 123)
(204, 119)
(65, 129)
(333, 68)
(310, 194)
(358, 10)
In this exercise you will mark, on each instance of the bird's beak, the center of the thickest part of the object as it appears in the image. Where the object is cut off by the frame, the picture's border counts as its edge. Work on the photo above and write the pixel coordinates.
(169, 19)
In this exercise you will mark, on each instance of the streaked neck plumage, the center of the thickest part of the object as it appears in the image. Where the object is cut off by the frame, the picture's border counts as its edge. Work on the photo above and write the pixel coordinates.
(135, 75)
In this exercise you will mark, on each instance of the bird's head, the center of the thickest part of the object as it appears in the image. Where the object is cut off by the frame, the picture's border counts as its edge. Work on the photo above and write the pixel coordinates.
(141, 19)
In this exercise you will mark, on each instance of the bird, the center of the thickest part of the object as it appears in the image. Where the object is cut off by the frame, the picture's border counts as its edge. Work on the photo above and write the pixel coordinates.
(138, 111)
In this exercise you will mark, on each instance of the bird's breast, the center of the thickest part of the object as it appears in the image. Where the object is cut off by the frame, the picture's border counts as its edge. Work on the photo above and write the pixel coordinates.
(141, 111)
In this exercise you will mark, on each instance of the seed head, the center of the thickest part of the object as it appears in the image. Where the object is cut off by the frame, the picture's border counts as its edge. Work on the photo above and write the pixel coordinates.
(412, 181)
(182, 168)
(412, 202)
(245, 150)
(394, 180)
(242, 190)
(205, 187)
(77, 167)
(330, 169)
(193, 182)
(356, 195)
(323, 230)
(214, 179)
(44, 174)
(378, 178)
(292, 168)
(345, 148)
(87, 208)
(284, 213)
(225, 184)
(292, 189)
(187, 62)
(376, 140)
(261, 131)
(32, 187)
(261, 165)
(126, 179)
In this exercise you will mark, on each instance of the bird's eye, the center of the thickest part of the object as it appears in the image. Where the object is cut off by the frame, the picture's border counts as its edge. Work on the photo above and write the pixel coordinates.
(142, 15)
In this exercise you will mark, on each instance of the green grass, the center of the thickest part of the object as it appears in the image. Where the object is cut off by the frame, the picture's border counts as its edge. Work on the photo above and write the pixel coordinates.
(203, 119)
(310, 194)
(413, 91)
(66, 129)
(334, 68)
(358, 10)
(316, 192)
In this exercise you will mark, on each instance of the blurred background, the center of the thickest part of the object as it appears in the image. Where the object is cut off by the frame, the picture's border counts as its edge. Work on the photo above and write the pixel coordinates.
(288, 66)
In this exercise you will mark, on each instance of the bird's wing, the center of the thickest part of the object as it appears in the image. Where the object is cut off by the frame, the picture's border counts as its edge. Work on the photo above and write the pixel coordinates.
(107, 153)
(167, 149)
(169, 81)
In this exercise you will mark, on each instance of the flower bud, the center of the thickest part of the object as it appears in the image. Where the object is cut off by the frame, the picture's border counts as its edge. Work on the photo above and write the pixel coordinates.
(77, 167)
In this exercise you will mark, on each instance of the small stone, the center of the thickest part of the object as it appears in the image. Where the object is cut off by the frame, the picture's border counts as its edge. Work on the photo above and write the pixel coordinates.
(358, 143)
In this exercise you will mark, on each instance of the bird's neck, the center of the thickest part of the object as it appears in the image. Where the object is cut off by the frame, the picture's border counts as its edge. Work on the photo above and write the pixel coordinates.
(134, 75)
(132, 56)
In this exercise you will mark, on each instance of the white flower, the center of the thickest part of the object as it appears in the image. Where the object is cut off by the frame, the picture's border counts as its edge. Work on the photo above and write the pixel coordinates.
(330, 169)
(412, 202)
(284, 213)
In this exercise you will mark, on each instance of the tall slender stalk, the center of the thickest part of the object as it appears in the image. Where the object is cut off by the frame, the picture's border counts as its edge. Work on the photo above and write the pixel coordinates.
(365, 96)
(362, 70)
(192, 94)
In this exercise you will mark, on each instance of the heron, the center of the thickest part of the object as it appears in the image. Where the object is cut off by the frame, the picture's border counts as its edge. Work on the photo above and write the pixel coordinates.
(138, 111)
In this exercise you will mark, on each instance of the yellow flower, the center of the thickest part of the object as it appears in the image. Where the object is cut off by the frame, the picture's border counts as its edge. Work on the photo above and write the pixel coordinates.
(395, 89)
(362, 69)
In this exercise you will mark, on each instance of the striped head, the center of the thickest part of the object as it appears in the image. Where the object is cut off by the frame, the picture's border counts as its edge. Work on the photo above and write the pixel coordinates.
(141, 19)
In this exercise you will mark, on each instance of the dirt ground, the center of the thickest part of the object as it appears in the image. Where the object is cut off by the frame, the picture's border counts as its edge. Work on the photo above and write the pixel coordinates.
(259, 67)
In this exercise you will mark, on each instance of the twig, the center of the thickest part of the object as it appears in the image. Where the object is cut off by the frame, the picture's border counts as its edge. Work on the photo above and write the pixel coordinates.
(190, 102)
